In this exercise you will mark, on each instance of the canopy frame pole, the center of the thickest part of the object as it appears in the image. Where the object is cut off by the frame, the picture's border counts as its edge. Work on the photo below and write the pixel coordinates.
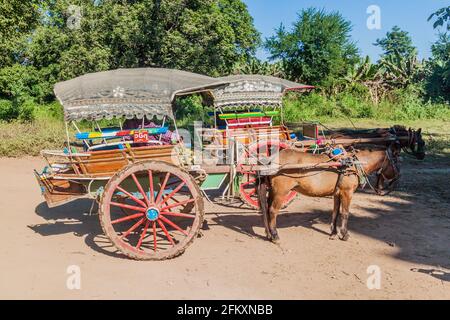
(100, 130)
(162, 126)
(78, 130)
(69, 149)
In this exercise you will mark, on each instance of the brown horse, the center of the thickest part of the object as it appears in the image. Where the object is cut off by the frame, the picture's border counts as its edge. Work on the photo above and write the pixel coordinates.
(410, 141)
(322, 182)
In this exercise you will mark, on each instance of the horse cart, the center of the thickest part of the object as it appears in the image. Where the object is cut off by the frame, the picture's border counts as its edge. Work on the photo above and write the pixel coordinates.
(125, 151)
(150, 179)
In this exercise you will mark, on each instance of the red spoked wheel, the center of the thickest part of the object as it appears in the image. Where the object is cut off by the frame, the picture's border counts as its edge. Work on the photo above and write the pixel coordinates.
(260, 153)
(151, 210)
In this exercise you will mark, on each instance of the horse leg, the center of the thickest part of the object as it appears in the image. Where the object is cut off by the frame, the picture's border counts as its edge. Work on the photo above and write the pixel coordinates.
(275, 204)
(346, 199)
(263, 202)
(336, 209)
(380, 183)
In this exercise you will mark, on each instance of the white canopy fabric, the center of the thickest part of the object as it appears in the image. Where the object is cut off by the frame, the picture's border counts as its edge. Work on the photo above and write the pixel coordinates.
(127, 93)
(150, 92)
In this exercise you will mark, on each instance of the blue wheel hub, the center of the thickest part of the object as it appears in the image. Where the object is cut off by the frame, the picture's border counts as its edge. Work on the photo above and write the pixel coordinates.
(152, 214)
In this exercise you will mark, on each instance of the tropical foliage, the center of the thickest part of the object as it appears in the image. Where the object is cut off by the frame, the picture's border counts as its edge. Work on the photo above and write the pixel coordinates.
(43, 42)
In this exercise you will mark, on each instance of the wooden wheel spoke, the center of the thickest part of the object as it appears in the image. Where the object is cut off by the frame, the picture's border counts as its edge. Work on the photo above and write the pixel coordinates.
(161, 210)
(131, 196)
(181, 185)
(144, 232)
(155, 245)
(170, 223)
(134, 227)
(176, 214)
(126, 206)
(163, 186)
(248, 183)
(140, 188)
(178, 204)
(127, 218)
(163, 227)
(150, 180)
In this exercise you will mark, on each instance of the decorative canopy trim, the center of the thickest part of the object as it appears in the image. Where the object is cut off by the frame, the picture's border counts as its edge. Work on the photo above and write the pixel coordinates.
(256, 90)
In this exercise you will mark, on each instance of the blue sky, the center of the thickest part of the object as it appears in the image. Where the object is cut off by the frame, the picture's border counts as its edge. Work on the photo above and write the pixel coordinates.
(409, 15)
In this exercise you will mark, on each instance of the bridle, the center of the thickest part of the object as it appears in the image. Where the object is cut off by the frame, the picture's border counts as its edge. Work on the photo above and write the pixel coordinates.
(410, 147)
(393, 161)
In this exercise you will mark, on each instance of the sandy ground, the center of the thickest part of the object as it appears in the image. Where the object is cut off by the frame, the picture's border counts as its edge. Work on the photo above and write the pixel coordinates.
(407, 235)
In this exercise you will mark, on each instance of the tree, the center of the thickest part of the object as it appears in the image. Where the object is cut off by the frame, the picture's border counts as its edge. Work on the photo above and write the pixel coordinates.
(438, 68)
(205, 36)
(401, 71)
(441, 16)
(317, 50)
(396, 42)
(17, 19)
(367, 74)
(62, 39)
(256, 66)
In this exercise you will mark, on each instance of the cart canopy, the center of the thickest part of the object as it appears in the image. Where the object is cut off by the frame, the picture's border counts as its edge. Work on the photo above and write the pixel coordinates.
(128, 93)
(150, 92)
(256, 90)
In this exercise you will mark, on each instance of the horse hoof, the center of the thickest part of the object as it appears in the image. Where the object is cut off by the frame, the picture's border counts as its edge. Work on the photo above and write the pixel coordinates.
(333, 237)
(344, 237)
(275, 238)
(275, 241)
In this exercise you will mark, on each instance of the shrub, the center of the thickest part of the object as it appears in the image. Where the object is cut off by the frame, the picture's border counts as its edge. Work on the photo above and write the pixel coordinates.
(22, 110)
(7, 111)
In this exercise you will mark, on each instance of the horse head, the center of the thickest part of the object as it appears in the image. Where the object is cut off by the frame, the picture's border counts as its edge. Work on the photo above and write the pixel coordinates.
(389, 170)
(412, 141)
(416, 144)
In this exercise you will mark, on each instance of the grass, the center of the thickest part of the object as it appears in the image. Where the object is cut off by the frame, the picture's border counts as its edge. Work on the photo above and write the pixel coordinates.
(47, 130)
(28, 139)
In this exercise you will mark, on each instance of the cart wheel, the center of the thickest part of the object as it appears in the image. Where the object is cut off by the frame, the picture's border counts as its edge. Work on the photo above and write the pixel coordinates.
(143, 210)
(260, 152)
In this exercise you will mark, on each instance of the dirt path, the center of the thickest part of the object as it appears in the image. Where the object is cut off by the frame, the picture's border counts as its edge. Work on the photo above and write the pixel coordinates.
(407, 235)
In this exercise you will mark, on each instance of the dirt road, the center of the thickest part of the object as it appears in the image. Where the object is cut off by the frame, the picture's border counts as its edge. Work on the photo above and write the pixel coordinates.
(407, 235)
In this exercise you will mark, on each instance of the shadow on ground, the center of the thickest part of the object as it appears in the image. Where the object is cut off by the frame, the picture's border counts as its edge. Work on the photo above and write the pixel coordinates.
(415, 219)
(75, 218)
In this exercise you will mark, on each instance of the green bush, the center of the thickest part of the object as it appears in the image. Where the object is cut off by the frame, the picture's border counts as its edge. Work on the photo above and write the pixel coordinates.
(405, 104)
(355, 107)
(17, 110)
(7, 111)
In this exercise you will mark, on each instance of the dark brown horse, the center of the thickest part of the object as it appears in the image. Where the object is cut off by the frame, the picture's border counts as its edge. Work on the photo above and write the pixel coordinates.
(322, 182)
(409, 140)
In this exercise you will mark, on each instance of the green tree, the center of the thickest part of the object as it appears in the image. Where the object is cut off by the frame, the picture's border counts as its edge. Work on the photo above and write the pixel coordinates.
(401, 71)
(438, 68)
(396, 42)
(43, 42)
(206, 36)
(256, 66)
(318, 50)
(17, 20)
(442, 16)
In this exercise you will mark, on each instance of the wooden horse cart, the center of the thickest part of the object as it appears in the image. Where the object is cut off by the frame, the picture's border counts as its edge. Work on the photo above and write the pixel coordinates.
(150, 184)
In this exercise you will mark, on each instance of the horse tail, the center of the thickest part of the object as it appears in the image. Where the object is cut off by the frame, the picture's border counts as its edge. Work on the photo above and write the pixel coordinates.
(264, 201)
